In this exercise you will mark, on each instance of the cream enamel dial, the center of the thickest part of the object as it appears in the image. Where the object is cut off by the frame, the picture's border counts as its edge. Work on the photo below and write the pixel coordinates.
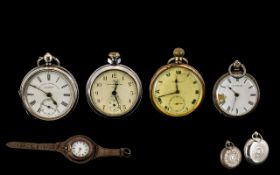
(114, 90)
(80, 149)
(49, 92)
(176, 89)
(236, 95)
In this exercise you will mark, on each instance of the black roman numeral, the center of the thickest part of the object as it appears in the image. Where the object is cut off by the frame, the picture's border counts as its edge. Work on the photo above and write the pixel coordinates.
(64, 86)
(250, 102)
(32, 102)
(64, 103)
(49, 76)
(39, 79)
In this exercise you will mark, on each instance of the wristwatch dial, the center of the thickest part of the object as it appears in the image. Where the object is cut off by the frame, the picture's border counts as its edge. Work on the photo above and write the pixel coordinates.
(49, 94)
(177, 90)
(80, 149)
(236, 96)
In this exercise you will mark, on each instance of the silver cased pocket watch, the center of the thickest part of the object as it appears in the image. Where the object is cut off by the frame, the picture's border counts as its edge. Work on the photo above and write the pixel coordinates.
(49, 92)
(236, 93)
(256, 149)
(114, 90)
(230, 156)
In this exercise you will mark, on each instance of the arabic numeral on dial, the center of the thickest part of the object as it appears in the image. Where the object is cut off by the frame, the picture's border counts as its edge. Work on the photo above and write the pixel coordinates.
(98, 100)
(114, 75)
(96, 92)
(129, 101)
(99, 84)
(168, 74)
(104, 78)
(132, 92)
(157, 91)
(130, 83)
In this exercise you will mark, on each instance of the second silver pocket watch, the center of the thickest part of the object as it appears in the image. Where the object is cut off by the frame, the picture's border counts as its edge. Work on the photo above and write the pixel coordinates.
(114, 90)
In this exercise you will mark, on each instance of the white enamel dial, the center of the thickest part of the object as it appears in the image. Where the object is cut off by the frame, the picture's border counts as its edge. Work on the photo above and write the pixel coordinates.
(80, 149)
(114, 93)
(49, 94)
(236, 96)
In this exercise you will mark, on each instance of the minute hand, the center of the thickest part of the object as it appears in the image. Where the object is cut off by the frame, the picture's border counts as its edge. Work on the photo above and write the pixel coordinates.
(176, 92)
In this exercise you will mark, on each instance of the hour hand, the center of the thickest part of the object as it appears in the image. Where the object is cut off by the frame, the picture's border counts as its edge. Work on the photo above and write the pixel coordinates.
(176, 83)
(235, 93)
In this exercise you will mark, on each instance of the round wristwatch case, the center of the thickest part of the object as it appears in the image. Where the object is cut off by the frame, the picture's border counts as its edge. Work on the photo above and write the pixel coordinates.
(49, 91)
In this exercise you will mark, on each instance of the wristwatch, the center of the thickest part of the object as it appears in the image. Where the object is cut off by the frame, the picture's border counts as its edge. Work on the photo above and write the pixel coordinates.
(177, 89)
(49, 91)
(78, 149)
(114, 90)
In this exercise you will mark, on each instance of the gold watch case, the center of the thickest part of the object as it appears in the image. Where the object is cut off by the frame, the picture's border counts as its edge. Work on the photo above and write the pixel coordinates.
(177, 89)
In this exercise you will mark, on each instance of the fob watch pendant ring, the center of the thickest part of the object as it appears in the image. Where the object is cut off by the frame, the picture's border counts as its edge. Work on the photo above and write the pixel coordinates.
(257, 136)
(178, 56)
(237, 69)
(114, 58)
(229, 144)
(48, 59)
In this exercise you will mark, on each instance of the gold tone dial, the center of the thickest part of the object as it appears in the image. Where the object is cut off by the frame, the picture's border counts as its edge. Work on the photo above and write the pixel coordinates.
(176, 90)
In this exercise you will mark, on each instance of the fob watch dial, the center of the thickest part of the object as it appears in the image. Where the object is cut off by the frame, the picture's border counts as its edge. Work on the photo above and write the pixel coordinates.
(49, 92)
(236, 94)
(177, 89)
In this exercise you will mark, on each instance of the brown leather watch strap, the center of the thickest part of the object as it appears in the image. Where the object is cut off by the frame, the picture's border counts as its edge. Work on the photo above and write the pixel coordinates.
(33, 146)
(108, 152)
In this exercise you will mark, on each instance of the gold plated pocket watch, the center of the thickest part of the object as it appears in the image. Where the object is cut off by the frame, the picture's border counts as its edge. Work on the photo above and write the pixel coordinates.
(114, 90)
(177, 89)
(49, 91)
(236, 93)
(78, 149)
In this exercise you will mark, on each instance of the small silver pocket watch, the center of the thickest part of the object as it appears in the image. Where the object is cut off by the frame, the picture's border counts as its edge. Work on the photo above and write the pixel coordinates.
(114, 90)
(236, 93)
(256, 149)
(48, 91)
(230, 156)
